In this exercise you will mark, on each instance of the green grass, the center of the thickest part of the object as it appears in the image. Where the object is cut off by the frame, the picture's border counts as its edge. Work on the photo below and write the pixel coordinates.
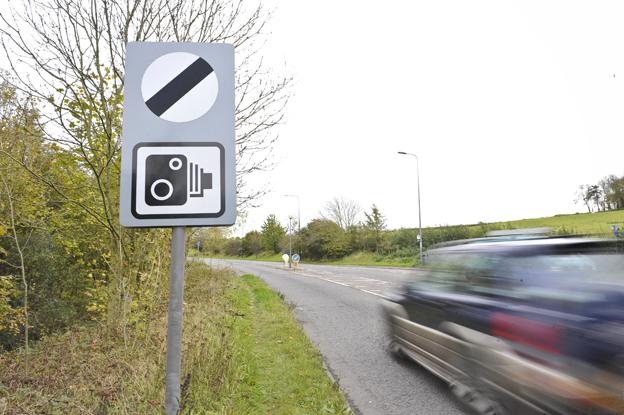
(598, 223)
(275, 368)
(362, 258)
(244, 353)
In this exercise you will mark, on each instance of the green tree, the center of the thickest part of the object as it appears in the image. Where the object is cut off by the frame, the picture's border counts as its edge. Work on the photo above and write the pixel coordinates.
(324, 239)
(252, 243)
(211, 240)
(272, 234)
(614, 194)
(375, 225)
(49, 247)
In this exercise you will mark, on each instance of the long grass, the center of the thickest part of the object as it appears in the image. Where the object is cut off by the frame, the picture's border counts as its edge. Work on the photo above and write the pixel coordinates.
(244, 353)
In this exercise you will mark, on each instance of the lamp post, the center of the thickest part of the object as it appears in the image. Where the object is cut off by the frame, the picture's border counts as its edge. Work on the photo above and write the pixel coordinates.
(298, 221)
(420, 238)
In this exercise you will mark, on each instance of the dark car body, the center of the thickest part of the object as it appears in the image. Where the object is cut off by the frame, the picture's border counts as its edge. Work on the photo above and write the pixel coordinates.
(519, 326)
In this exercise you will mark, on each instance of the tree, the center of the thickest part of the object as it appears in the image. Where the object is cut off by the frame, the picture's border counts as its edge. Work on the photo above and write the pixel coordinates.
(594, 195)
(212, 240)
(588, 194)
(251, 243)
(323, 239)
(606, 195)
(272, 234)
(613, 188)
(375, 224)
(342, 211)
(233, 246)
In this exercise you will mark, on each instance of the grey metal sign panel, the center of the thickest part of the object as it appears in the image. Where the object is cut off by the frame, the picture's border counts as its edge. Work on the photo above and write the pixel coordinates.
(178, 142)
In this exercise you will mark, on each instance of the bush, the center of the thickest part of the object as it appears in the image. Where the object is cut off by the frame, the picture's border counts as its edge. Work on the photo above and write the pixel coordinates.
(324, 239)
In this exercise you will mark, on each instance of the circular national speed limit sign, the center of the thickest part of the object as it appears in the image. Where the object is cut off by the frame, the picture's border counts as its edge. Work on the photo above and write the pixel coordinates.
(179, 87)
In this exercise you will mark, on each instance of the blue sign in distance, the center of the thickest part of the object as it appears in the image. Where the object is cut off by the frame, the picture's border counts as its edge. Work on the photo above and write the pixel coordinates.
(296, 258)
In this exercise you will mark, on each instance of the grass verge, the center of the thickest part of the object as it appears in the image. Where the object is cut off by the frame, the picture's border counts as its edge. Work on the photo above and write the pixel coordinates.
(244, 353)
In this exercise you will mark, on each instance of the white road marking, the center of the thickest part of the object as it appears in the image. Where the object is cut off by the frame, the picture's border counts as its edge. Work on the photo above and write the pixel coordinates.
(363, 284)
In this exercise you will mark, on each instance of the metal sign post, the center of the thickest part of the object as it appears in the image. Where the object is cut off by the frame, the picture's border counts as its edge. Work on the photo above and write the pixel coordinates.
(178, 157)
(174, 321)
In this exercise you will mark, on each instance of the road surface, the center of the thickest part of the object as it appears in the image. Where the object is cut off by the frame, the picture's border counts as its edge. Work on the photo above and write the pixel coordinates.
(339, 309)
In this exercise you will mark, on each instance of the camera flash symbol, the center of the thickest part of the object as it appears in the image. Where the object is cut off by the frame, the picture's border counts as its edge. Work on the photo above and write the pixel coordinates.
(199, 181)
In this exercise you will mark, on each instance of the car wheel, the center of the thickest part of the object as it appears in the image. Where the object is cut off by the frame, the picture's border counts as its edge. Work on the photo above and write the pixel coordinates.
(396, 350)
(472, 391)
(477, 398)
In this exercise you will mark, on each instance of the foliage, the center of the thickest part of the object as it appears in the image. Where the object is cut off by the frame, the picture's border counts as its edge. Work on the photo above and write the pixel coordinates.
(608, 194)
(251, 243)
(62, 250)
(234, 246)
(235, 330)
(272, 234)
(323, 239)
(51, 249)
(375, 224)
(211, 241)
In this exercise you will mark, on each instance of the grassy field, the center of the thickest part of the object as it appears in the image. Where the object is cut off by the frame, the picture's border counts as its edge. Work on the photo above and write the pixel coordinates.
(598, 223)
(244, 353)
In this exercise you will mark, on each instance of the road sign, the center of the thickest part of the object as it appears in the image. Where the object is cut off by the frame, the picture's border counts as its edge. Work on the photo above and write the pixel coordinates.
(178, 153)
(296, 258)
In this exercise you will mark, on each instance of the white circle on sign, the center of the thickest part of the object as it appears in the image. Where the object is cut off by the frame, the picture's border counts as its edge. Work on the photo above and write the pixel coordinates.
(156, 183)
(175, 163)
(179, 87)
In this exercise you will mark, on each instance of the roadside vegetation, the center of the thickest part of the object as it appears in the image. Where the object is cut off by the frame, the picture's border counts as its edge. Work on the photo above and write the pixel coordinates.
(324, 241)
(244, 353)
(65, 261)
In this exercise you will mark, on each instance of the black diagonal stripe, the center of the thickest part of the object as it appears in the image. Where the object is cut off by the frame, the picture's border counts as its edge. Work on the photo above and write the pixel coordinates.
(179, 86)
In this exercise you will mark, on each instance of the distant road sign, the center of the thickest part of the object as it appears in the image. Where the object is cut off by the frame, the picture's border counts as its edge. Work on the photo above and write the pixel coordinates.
(178, 153)
(296, 258)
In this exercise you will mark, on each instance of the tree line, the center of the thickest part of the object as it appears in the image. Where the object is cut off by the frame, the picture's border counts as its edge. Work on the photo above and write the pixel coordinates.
(607, 194)
(341, 229)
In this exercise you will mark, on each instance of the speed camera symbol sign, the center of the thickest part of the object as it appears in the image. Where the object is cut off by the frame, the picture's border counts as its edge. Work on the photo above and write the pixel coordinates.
(179, 87)
(177, 180)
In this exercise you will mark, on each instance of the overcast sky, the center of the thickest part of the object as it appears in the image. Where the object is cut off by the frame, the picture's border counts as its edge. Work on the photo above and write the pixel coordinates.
(509, 105)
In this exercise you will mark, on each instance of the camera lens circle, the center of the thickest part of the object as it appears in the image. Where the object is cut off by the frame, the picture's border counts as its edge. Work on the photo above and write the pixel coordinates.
(175, 163)
(166, 183)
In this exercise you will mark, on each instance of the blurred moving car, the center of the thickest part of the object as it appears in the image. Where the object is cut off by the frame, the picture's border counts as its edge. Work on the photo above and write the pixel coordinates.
(519, 324)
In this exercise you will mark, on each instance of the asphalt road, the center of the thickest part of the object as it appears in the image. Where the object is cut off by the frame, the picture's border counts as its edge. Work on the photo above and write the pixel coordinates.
(339, 309)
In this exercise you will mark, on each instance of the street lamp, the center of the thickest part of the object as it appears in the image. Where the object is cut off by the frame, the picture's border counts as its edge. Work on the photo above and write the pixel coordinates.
(298, 221)
(298, 211)
(420, 238)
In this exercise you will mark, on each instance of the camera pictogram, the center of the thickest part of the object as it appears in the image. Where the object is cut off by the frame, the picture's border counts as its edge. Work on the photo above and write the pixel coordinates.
(177, 179)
